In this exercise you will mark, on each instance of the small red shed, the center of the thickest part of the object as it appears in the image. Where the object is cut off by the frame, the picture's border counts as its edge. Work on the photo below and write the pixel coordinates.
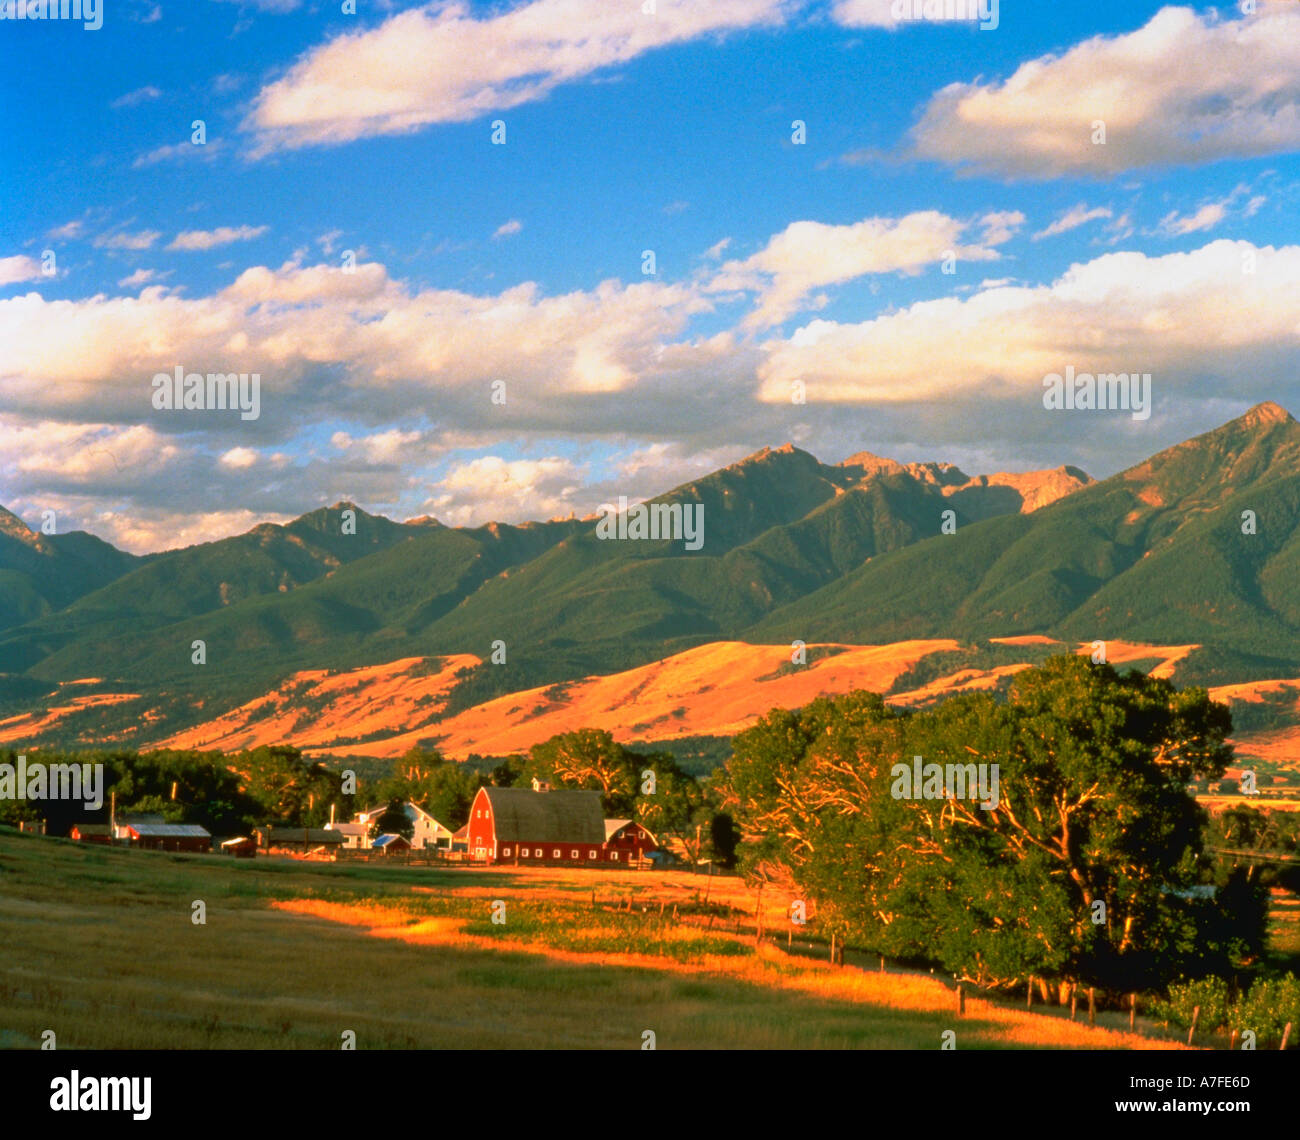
(627, 841)
(91, 833)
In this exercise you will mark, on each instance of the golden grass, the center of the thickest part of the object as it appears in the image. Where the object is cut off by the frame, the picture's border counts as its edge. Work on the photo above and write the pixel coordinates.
(357, 703)
(99, 946)
(768, 967)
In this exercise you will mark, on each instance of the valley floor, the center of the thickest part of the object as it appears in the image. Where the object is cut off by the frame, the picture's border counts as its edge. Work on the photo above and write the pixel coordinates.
(100, 947)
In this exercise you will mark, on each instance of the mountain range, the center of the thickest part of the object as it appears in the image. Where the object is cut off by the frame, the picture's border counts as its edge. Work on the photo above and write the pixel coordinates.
(1198, 547)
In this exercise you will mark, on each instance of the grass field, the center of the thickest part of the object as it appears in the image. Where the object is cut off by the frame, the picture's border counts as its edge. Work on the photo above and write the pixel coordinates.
(99, 946)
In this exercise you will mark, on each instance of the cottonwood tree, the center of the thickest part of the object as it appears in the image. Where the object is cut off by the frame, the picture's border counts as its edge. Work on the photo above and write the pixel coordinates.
(591, 759)
(292, 788)
(1092, 808)
(587, 758)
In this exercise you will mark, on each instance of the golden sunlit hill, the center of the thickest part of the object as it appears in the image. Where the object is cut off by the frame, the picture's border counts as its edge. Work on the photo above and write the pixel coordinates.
(717, 689)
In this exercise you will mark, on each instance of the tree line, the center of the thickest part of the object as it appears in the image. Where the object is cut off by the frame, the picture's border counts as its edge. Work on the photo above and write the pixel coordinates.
(230, 794)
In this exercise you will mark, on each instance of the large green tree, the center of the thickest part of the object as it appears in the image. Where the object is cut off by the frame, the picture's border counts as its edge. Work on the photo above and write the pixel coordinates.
(649, 787)
(1082, 869)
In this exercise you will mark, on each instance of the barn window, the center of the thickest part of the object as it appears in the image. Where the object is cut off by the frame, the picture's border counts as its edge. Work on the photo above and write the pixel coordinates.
(614, 855)
(573, 854)
(591, 854)
(505, 851)
(555, 854)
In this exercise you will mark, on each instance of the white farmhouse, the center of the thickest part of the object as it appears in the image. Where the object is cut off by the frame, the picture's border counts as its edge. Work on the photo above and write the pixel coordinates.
(428, 831)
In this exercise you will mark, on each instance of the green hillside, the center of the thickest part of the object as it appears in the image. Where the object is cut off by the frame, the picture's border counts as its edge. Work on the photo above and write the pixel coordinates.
(40, 573)
(373, 604)
(778, 525)
(1156, 553)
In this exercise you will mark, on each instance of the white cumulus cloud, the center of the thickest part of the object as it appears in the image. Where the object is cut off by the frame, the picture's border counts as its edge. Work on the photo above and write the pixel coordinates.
(808, 255)
(440, 64)
(1186, 88)
(210, 239)
(16, 269)
(1178, 317)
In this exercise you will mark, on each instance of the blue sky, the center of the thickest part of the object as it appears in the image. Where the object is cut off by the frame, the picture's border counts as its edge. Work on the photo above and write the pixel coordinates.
(625, 131)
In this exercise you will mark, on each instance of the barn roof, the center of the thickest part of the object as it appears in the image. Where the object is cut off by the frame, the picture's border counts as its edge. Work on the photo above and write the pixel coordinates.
(92, 829)
(386, 840)
(170, 831)
(303, 835)
(547, 817)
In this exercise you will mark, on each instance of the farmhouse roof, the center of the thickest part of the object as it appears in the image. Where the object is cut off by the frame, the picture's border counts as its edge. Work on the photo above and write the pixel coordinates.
(547, 817)
(170, 831)
(386, 840)
(410, 809)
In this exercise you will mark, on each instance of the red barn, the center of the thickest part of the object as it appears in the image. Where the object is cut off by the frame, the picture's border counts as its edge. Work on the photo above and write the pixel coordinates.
(627, 841)
(519, 825)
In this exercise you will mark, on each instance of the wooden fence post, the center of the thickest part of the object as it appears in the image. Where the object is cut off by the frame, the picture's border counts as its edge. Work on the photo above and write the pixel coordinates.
(1132, 1011)
(1029, 994)
(1286, 1035)
(1196, 1016)
(1092, 1006)
(1074, 1000)
(832, 947)
(1232, 1041)
(961, 1000)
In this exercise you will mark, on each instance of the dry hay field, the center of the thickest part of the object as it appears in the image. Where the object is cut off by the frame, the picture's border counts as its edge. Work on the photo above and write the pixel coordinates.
(99, 945)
